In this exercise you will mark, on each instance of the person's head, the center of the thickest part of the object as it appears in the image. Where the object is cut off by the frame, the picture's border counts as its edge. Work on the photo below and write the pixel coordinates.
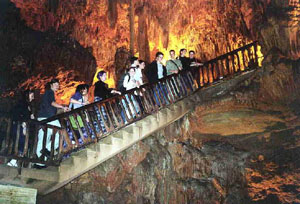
(142, 64)
(192, 54)
(172, 54)
(54, 85)
(131, 71)
(101, 76)
(134, 60)
(159, 56)
(82, 89)
(29, 95)
(182, 52)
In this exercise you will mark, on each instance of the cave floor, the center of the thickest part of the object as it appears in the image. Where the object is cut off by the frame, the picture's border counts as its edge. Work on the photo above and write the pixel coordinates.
(271, 134)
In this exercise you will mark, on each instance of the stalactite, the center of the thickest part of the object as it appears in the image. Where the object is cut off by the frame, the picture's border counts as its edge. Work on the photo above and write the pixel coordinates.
(112, 12)
(131, 20)
(142, 38)
(52, 5)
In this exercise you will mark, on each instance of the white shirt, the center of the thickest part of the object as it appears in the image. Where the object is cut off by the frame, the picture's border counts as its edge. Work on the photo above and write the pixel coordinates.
(131, 84)
(160, 70)
(138, 75)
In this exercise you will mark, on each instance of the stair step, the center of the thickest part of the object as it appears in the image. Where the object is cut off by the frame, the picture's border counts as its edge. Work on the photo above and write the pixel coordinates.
(67, 164)
(117, 141)
(85, 153)
(47, 174)
(104, 148)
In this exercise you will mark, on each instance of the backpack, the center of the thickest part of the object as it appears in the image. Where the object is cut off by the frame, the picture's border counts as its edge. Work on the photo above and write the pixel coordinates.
(120, 86)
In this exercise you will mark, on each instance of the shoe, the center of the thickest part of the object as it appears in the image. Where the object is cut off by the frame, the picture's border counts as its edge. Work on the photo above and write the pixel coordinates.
(12, 163)
(39, 166)
(46, 153)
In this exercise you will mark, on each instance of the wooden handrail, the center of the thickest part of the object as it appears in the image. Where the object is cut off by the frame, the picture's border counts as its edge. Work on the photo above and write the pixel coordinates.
(93, 122)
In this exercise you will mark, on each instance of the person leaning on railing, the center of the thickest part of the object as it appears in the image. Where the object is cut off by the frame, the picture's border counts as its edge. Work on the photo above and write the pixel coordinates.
(155, 71)
(195, 65)
(173, 66)
(22, 112)
(48, 108)
(102, 92)
(79, 99)
(130, 83)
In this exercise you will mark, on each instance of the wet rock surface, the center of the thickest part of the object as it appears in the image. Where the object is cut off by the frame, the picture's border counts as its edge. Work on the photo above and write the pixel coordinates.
(227, 153)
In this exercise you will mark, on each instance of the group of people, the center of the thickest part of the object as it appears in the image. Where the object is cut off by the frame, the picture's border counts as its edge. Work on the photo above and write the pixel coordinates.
(133, 77)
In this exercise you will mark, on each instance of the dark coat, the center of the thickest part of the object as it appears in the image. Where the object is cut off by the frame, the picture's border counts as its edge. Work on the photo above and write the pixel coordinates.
(102, 90)
(152, 72)
(185, 63)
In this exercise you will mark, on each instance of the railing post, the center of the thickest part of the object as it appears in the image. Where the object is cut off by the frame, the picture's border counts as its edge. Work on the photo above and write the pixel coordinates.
(239, 62)
(28, 126)
(244, 60)
(255, 53)
(83, 117)
(92, 123)
(8, 135)
(66, 137)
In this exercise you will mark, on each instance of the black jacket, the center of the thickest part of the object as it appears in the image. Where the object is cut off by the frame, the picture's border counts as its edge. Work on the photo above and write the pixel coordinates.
(152, 72)
(102, 90)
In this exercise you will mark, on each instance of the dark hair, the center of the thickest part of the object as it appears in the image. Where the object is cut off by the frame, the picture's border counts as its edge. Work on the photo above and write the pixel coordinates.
(159, 53)
(132, 59)
(82, 87)
(191, 51)
(131, 68)
(172, 51)
(100, 74)
(26, 94)
(53, 81)
(181, 50)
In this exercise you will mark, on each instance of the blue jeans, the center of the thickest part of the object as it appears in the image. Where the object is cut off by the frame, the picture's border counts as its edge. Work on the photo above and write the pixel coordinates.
(99, 115)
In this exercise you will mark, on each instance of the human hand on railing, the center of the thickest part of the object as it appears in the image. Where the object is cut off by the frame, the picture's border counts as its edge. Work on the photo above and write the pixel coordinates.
(196, 64)
(116, 92)
(24, 128)
(66, 109)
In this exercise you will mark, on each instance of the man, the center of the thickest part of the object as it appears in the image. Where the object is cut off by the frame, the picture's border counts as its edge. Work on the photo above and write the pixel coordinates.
(48, 108)
(186, 68)
(184, 60)
(193, 61)
(155, 71)
(173, 65)
(195, 66)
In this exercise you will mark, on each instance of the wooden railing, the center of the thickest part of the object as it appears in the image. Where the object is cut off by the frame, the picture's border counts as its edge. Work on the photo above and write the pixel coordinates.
(95, 121)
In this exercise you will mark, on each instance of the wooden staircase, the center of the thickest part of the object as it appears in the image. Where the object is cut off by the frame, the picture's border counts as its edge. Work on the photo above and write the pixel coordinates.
(51, 178)
(106, 146)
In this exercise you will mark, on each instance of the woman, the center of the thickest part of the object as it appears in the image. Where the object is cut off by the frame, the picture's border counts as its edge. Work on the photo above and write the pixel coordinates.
(102, 92)
(130, 83)
(21, 113)
(79, 99)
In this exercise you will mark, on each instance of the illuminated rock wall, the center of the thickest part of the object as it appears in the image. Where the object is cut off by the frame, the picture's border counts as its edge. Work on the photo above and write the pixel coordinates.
(209, 27)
